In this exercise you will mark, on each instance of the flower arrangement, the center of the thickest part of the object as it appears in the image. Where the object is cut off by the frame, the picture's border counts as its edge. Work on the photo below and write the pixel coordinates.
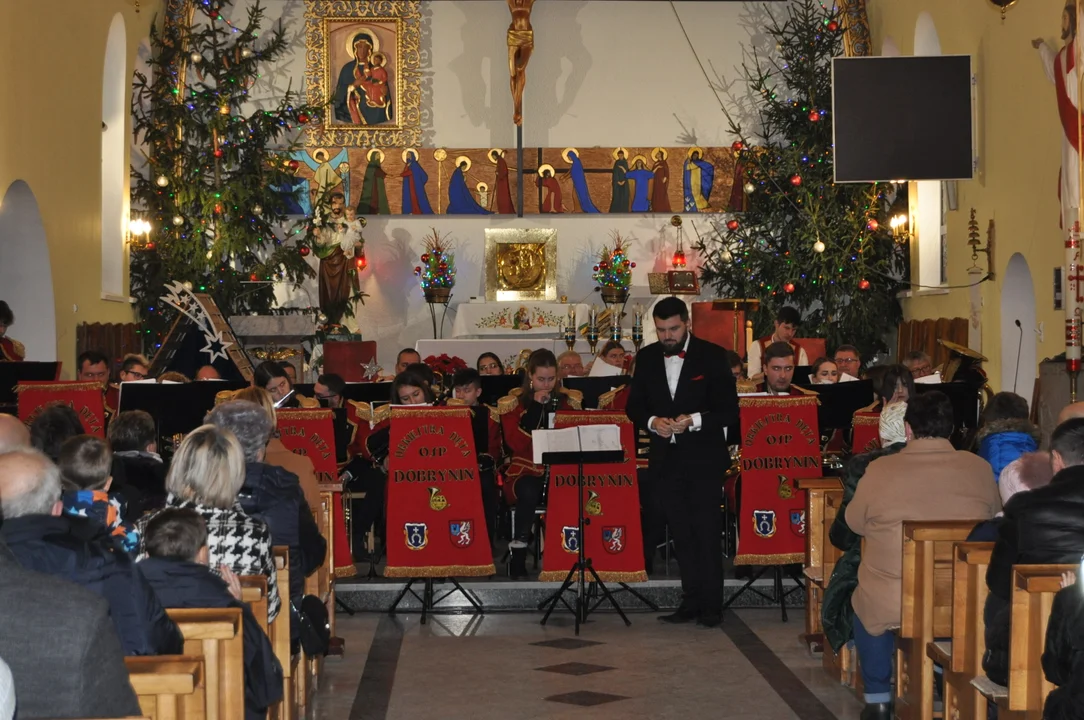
(437, 271)
(614, 269)
(446, 364)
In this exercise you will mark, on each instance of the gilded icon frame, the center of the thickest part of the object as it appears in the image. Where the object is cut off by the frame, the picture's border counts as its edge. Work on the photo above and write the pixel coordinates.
(326, 22)
(501, 243)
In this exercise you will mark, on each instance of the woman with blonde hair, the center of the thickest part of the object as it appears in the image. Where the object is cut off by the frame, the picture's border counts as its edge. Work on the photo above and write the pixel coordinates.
(206, 475)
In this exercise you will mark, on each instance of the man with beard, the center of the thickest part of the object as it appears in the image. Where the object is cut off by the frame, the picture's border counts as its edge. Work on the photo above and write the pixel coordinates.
(335, 236)
(684, 396)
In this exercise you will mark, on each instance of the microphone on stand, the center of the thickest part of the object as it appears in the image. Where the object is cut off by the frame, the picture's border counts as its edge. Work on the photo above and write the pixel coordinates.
(1019, 347)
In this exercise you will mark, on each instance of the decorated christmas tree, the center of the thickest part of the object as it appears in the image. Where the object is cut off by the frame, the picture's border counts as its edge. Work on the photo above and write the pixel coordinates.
(212, 161)
(803, 240)
(613, 270)
(437, 271)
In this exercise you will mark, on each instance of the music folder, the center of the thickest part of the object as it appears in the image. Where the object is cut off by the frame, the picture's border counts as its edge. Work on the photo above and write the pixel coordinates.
(580, 445)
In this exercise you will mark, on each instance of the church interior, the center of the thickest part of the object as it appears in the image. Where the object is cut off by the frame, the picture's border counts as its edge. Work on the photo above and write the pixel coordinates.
(664, 278)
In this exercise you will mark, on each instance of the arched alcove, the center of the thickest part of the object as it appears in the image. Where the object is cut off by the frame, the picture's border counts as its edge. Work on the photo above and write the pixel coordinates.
(114, 169)
(1018, 305)
(26, 275)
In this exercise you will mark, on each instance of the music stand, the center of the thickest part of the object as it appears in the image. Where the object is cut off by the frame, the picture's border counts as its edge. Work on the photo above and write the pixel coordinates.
(583, 563)
(13, 373)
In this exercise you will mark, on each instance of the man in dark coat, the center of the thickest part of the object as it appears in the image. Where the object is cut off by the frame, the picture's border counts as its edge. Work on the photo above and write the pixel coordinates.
(176, 567)
(1041, 526)
(134, 439)
(684, 395)
(41, 538)
(63, 652)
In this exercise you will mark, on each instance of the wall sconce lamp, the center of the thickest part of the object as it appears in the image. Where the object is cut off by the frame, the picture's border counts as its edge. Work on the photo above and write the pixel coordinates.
(139, 231)
(973, 241)
(900, 227)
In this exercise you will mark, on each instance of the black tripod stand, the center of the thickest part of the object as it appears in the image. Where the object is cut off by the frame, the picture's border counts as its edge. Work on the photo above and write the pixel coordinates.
(581, 606)
(429, 603)
(779, 595)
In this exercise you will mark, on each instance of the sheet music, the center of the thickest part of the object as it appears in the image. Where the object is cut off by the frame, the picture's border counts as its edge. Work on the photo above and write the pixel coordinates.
(582, 438)
(599, 368)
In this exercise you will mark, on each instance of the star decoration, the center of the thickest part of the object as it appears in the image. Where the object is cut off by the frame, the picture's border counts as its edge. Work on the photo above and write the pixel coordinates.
(216, 346)
(371, 368)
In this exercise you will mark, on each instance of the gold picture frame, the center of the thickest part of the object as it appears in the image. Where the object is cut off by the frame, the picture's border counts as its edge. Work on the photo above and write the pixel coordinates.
(521, 264)
(363, 65)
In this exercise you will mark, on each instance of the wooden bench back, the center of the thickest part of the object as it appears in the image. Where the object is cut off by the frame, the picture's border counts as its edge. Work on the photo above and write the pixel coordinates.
(280, 628)
(215, 634)
(816, 530)
(1034, 587)
(928, 556)
(969, 593)
(169, 687)
(254, 592)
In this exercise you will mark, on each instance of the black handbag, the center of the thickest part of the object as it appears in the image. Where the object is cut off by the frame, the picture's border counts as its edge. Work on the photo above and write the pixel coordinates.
(314, 629)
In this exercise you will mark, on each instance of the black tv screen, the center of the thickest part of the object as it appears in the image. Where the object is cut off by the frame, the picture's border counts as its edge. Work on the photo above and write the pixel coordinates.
(902, 118)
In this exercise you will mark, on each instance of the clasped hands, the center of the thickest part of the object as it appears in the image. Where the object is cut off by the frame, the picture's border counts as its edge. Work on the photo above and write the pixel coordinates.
(666, 427)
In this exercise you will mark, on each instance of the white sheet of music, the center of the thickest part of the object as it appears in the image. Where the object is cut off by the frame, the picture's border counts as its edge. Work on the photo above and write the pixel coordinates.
(582, 438)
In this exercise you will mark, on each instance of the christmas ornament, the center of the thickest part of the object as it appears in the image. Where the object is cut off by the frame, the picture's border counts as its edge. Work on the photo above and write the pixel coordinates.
(749, 188)
(196, 57)
(361, 262)
(210, 254)
(863, 284)
(213, 14)
(302, 118)
(223, 109)
(187, 286)
(162, 181)
(594, 268)
(425, 258)
(873, 225)
(417, 270)
(218, 208)
(632, 265)
(833, 26)
(437, 271)
(246, 53)
(178, 220)
(321, 318)
(738, 146)
(732, 225)
(371, 368)
(818, 247)
(814, 116)
(614, 268)
(219, 153)
(252, 277)
(304, 250)
(293, 164)
(795, 180)
(788, 287)
(257, 209)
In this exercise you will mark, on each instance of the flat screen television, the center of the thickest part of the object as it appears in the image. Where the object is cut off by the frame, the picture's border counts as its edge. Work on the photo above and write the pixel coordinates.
(902, 118)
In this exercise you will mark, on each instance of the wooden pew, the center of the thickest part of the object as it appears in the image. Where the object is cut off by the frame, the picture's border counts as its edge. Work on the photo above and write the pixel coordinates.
(254, 592)
(817, 549)
(290, 707)
(327, 572)
(926, 604)
(215, 635)
(841, 666)
(169, 687)
(961, 658)
(1034, 587)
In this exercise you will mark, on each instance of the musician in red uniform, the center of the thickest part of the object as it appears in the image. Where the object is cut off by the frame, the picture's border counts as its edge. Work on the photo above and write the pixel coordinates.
(10, 350)
(787, 321)
(540, 395)
(485, 422)
(779, 371)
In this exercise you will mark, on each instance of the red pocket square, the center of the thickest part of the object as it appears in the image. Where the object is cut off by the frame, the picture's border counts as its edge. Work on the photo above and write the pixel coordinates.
(698, 377)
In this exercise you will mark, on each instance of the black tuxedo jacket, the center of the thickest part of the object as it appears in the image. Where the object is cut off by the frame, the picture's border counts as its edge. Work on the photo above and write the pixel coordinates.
(705, 386)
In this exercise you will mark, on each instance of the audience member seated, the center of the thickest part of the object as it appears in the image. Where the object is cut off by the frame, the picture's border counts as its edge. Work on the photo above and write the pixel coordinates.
(172, 376)
(177, 568)
(44, 539)
(207, 372)
(540, 394)
(824, 372)
(11, 350)
(134, 437)
(837, 615)
(206, 475)
(787, 322)
(13, 433)
(134, 368)
(85, 463)
(272, 494)
(918, 363)
(1041, 526)
(891, 384)
(1006, 432)
(490, 364)
(1063, 654)
(849, 363)
(467, 385)
(1027, 472)
(733, 361)
(61, 646)
(92, 366)
(569, 364)
(927, 480)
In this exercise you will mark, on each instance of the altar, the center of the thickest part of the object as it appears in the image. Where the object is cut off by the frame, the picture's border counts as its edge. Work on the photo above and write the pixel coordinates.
(515, 319)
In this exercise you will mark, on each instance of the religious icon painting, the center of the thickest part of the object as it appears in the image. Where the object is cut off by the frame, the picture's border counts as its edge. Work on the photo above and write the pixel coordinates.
(797, 522)
(461, 532)
(764, 523)
(362, 64)
(417, 535)
(613, 539)
(570, 539)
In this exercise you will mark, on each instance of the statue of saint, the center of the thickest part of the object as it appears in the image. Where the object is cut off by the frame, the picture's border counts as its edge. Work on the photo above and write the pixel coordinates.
(520, 46)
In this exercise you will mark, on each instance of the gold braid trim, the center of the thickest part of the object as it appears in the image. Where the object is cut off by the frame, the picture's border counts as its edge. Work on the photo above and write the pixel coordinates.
(507, 404)
(306, 414)
(346, 571)
(604, 575)
(367, 413)
(782, 559)
(441, 571)
(440, 412)
(865, 420)
(494, 414)
(869, 408)
(746, 386)
(574, 397)
(63, 386)
(604, 418)
(777, 401)
(606, 399)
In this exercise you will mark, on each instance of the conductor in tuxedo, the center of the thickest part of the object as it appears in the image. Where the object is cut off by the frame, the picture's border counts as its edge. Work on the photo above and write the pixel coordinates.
(684, 394)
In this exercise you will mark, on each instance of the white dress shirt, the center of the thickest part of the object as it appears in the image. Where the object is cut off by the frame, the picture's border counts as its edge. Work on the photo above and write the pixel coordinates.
(673, 365)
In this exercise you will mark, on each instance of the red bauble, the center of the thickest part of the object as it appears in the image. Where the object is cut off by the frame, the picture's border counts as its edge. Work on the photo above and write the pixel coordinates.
(795, 180)
(303, 118)
(873, 225)
(425, 258)
(442, 267)
(863, 284)
(595, 268)
(833, 26)
(214, 14)
(218, 208)
(732, 225)
(252, 277)
(219, 153)
(304, 250)
(788, 287)
(814, 116)
(632, 265)
(738, 146)
(293, 164)
(604, 265)
(417, 271)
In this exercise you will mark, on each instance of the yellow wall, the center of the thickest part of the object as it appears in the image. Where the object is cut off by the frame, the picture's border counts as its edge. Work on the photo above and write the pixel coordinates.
(51, 61)
(1020, 151)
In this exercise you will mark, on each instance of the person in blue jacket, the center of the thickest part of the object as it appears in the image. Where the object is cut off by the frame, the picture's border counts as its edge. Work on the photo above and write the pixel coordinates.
(1006, 432)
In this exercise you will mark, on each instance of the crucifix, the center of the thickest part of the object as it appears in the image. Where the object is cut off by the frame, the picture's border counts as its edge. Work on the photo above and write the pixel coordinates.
(520, 47)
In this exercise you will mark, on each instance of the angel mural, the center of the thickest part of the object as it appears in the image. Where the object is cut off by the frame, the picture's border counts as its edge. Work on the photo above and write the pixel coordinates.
(502, 187)
(579, 179)
(460, 199)
(415, 201)
(699, 178)
(374, 194)
(325, 177)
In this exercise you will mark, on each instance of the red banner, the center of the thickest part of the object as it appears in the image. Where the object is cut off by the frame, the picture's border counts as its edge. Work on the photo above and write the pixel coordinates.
(612, 536)
(436, 525)
(83, 397)
(867, 432)
(311, 433)
(780, 444)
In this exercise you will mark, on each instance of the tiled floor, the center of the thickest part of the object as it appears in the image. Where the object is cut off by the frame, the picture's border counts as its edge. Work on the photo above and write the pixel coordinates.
(508, 666)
